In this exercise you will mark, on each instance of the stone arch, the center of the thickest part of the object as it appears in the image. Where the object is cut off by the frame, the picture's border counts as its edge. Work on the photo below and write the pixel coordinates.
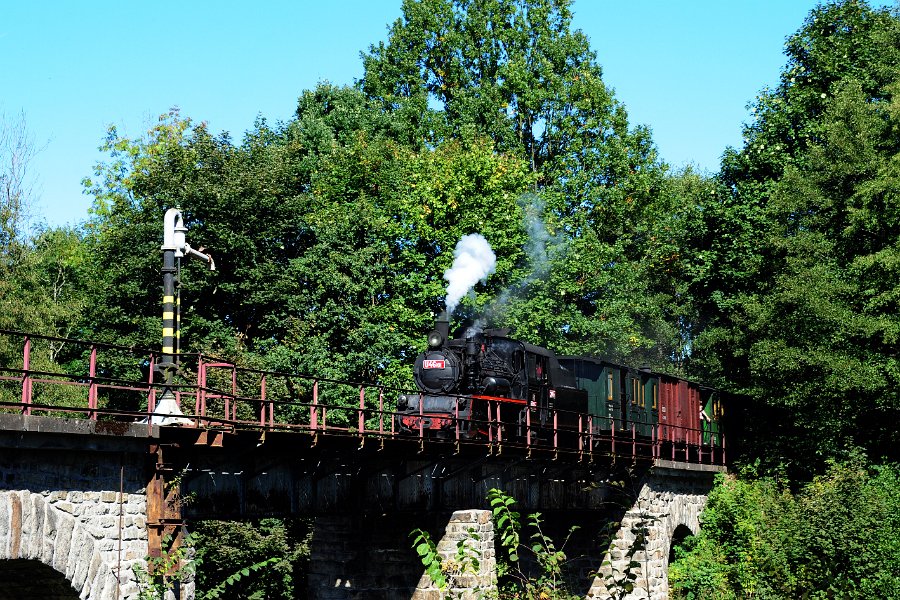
(668, 503)
(31, 528)
(26, 579)
(681, 533)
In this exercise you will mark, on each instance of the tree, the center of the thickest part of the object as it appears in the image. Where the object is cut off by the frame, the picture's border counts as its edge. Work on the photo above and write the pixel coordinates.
(833, 537)
(513, 70)
(517, 72)
(330, 238)
(40, 271)
(794, 296)
(17, 150)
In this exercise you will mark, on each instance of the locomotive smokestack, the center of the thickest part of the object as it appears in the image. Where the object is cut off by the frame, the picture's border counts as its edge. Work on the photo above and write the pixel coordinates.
(442, 324)
(441, 331)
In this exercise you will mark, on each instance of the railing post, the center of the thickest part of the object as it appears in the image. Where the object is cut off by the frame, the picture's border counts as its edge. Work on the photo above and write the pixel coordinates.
(362, 410)
(670, 429)
(633, 441)
(265, 408)
(700, 446)
(490, 423)
(26, 378)
(456, 420)
(612, 429)
(381, 411)
(580, 435)
(314, 407)
(528, 426)
(591, 433)
(200, 401)
(92, 386)
(232, 415)
(555, 430)
(421, 417)
(151, 391)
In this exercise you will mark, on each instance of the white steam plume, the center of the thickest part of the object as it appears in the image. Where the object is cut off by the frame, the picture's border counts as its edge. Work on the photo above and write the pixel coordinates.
(473, 261)
(541, 247)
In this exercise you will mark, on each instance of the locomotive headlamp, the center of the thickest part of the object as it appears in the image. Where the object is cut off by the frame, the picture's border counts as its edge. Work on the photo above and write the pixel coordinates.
(435, 339)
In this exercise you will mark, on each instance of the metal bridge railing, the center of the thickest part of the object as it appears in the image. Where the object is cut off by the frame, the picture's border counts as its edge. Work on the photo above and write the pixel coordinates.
(67, 377)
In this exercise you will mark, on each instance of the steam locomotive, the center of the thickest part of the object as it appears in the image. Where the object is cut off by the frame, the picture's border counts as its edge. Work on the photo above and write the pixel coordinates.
(481, 383)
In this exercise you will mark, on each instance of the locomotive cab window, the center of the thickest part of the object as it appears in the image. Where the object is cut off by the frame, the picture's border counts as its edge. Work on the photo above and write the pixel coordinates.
(518, 360)
(635, 391)
(655, 396)
(537, 367)
(540, 367)
(609, 387)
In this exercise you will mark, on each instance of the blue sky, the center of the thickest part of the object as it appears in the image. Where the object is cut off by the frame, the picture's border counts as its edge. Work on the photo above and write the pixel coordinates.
(687, 69)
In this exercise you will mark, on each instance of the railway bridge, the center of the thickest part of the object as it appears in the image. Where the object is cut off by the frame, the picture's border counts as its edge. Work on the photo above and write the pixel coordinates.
(93, 482)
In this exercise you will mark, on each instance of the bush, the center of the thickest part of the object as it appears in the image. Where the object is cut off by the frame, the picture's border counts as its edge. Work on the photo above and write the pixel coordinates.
(834, 538)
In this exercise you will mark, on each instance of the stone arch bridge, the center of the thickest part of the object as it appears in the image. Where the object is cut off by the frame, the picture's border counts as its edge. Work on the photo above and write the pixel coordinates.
(83, 502)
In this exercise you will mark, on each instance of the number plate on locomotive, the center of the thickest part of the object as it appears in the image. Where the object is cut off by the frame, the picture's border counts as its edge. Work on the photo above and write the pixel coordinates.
(432, 364)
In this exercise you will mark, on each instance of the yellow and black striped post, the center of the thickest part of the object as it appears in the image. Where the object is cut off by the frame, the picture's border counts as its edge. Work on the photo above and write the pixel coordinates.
(169, 324)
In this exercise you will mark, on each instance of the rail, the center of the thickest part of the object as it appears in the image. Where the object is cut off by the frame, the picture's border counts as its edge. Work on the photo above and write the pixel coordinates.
(67, 377)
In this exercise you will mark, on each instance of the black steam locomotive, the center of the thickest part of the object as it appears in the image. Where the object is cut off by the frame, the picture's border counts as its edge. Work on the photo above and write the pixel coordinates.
(482, 384)
(480, 377)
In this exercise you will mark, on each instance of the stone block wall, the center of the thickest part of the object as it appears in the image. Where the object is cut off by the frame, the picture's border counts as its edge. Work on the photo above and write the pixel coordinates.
(668, 499)
(464, 583)
(78, 534)
(65, 510)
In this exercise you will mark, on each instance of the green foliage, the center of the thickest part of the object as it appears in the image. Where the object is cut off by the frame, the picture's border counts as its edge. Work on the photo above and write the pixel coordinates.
(597, 273)
(447, 572)
(43, 290)
(173, 565)
(551, 580)
(275, 550)
(834, 538)
(180, 563)
(221, 590)
(795, 286)
(431, 560)
(507, 524)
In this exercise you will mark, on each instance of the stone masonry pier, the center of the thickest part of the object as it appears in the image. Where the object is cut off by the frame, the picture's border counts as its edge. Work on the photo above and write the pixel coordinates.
(72, 499)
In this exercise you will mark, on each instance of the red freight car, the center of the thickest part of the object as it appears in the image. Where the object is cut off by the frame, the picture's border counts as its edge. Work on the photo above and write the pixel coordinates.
(679, 411)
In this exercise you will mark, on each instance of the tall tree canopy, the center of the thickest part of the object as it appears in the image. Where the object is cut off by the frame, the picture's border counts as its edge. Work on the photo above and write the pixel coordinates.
(332, 231)
(798, 278)
(517, 72)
